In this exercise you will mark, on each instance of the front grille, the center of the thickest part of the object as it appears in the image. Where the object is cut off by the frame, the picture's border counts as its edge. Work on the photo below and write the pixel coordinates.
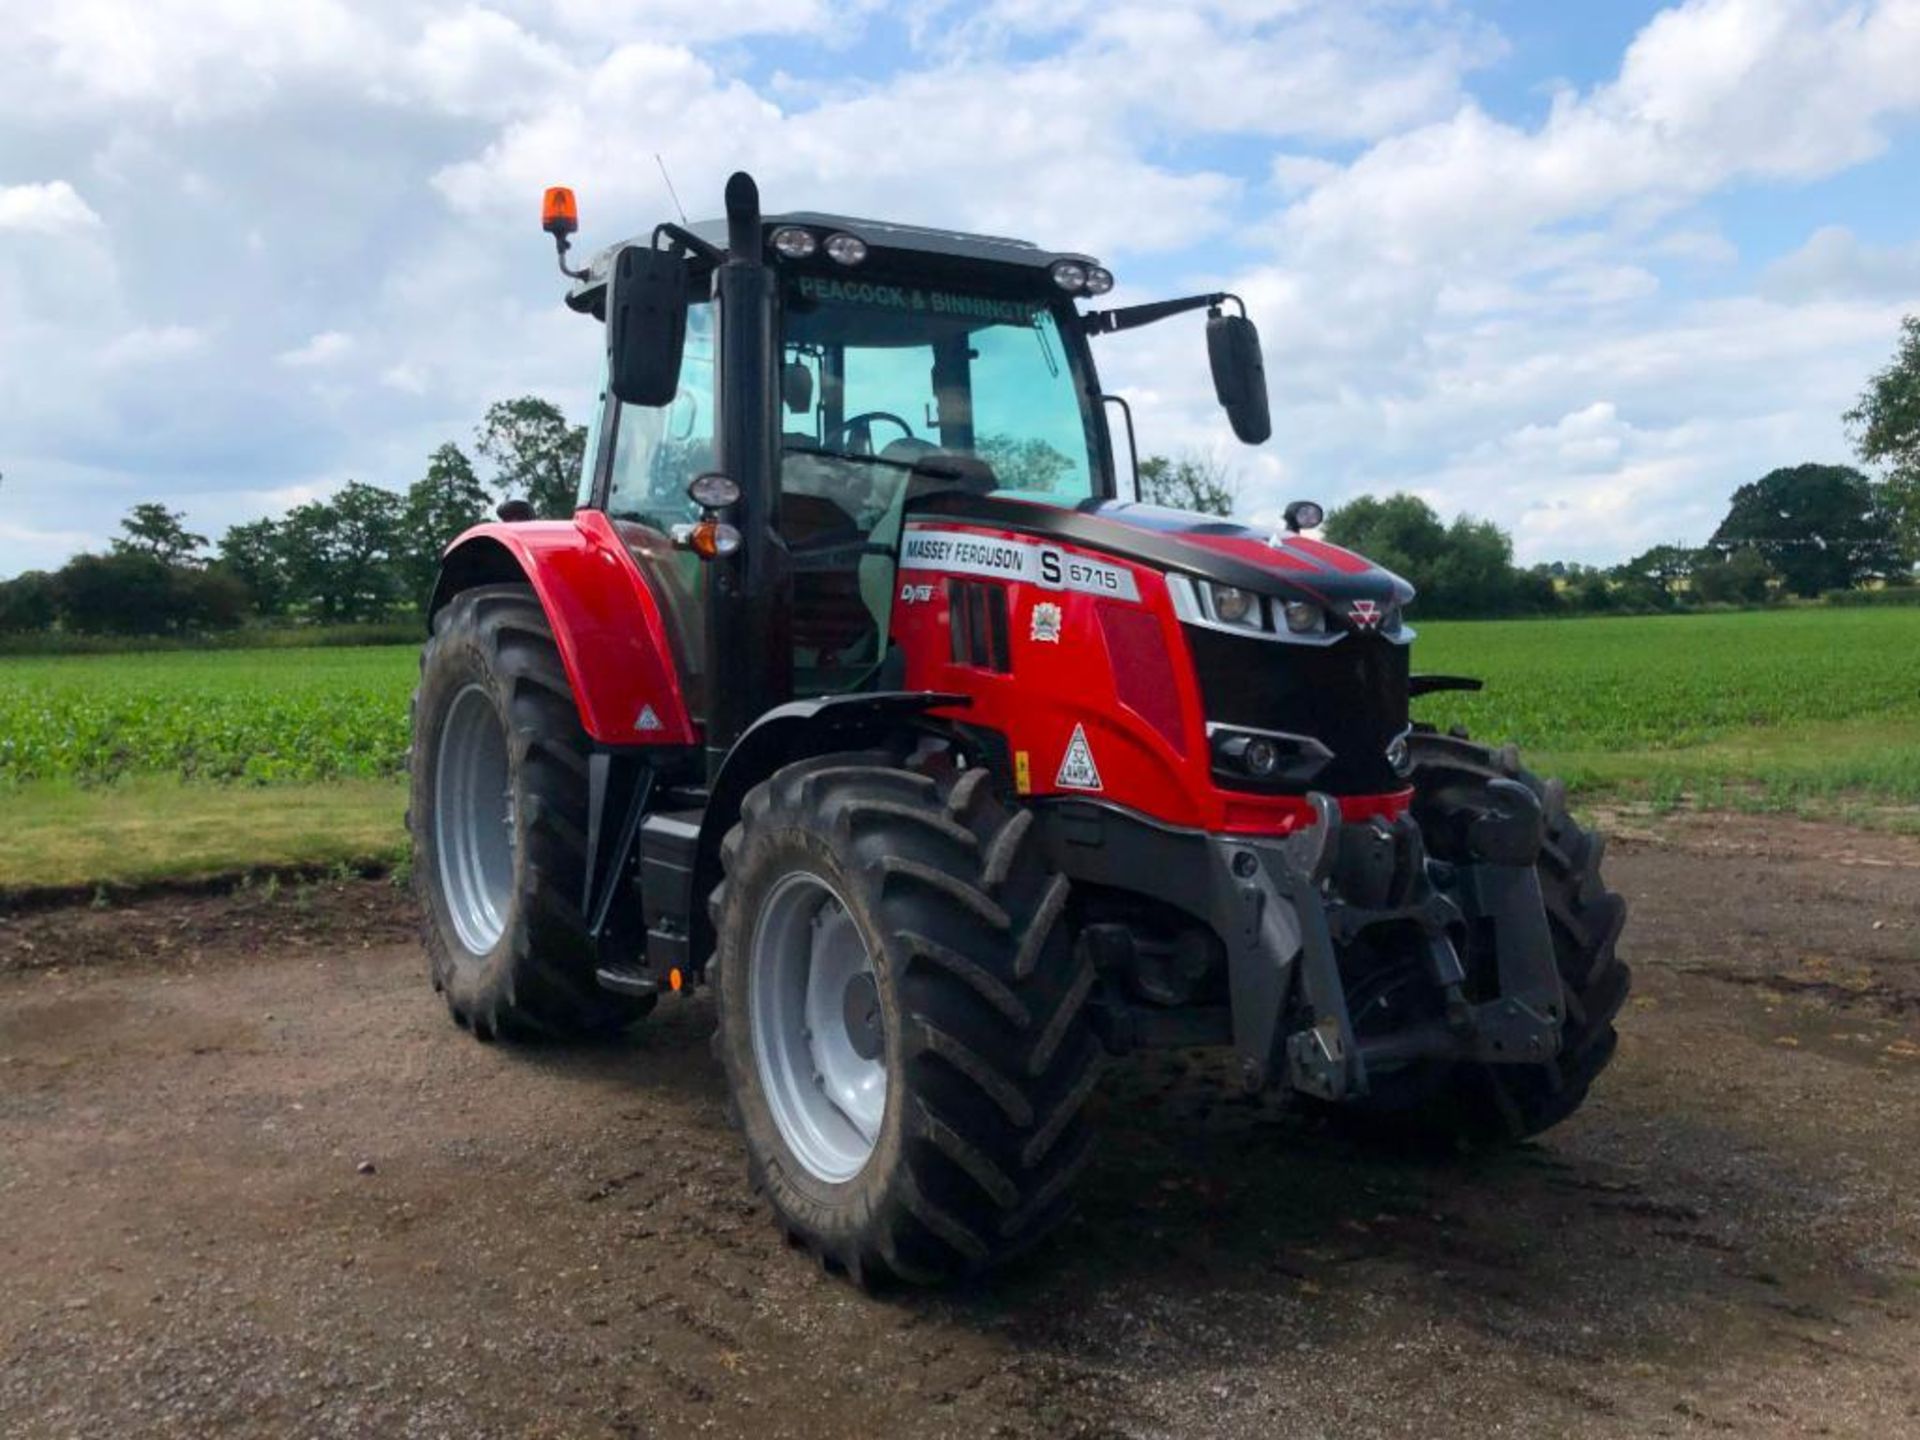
(1350, 696)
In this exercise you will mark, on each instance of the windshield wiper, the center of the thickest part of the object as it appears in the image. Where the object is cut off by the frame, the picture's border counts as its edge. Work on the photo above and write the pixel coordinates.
(821, 450)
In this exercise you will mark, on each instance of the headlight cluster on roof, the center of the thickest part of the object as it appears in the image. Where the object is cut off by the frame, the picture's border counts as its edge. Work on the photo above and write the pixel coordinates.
(796, 242)
(1077, 279)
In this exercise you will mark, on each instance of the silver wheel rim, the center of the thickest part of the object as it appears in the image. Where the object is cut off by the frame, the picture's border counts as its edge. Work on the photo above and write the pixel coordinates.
(473, 820)
(814, 1004)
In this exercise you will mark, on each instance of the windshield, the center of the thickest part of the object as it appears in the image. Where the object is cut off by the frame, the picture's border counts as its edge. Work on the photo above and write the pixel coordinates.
(886, 378)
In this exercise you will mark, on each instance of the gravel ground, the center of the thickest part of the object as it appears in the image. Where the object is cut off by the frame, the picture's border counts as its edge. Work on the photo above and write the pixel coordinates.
(253, 1182)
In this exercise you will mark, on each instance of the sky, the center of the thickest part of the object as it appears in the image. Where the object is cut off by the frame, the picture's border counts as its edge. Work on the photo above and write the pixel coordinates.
(1579, 267)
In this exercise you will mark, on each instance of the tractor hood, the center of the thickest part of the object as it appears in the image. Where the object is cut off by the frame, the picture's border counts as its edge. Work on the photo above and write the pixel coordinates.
(1225, 552)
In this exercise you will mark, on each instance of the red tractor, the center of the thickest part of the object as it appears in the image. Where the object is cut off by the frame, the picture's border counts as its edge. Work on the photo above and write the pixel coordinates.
(855, 690)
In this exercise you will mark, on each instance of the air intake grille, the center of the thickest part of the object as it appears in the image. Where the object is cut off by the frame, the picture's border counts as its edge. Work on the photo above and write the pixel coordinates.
(977, 611)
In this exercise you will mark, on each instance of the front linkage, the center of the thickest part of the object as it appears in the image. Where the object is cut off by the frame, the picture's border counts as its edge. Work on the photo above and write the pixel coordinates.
(1287, 909)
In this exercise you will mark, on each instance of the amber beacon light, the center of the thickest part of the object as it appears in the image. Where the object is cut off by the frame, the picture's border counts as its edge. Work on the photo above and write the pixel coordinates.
(559, 215)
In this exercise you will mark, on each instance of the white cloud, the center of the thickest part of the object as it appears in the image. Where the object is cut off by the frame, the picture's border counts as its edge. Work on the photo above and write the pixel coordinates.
(52, 208)
(479, 62)
(1538, 319)
(1834, 263)
(1445, 310)
(1712, 91)
(407, 377)
(190, 57)
(147, 346)
(323, 349)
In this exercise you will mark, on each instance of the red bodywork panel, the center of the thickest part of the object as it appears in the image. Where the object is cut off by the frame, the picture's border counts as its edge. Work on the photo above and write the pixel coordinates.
(606, 620)
(1119, 668)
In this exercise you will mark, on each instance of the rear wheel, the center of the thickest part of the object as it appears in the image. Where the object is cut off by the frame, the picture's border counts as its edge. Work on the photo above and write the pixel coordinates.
(497, 813)
(1474, 1103)
(902, 1017)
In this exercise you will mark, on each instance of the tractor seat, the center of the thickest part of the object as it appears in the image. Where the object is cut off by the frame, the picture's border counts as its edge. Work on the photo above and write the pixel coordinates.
(947, 470)
(830, 618)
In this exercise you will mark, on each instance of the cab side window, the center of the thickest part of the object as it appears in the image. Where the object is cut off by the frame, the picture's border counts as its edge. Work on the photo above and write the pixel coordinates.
(658, 451)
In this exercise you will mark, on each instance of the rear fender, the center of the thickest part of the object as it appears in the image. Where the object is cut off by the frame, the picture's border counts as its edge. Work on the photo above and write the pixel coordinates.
(606, 620)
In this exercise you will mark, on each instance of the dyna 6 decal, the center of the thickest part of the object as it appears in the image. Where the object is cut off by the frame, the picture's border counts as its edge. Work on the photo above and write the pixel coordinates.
(959, 552)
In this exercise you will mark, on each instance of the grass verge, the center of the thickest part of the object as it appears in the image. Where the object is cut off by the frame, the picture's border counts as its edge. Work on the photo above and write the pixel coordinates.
(1863, 771)
(143, 830)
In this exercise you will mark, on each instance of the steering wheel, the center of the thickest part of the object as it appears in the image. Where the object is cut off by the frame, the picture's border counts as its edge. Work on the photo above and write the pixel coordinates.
(855, 435)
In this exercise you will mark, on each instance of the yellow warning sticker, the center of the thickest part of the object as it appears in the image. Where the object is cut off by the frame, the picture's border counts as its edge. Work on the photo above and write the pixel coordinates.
(1022, 773)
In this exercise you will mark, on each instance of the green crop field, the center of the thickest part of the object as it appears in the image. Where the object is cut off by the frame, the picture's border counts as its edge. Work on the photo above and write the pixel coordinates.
(252, 715)
(135, 766)
(1755, 708)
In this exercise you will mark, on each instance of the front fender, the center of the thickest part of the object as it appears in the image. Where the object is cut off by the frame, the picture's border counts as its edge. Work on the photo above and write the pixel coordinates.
(784, 734)
(606, 620)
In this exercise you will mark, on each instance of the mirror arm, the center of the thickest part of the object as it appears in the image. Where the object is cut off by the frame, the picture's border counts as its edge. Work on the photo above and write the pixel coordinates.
(1132, 317)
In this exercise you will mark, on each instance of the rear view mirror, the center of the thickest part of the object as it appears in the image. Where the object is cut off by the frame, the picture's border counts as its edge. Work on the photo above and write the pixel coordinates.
(1239, 375)
(796, 387)
(646, 325)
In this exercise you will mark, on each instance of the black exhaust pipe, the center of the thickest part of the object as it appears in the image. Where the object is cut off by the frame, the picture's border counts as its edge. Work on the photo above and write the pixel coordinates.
(749, 644)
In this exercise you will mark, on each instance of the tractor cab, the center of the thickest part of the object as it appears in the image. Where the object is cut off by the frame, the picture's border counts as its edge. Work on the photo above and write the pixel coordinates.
(872, 366)
(883, 390)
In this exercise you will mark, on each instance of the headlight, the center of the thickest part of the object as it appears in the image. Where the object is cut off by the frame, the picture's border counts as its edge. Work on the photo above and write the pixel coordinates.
(1303, 617)
(1069, 275)
(714, 491)
(793, 242)
(846, 249)
(1261, 757)
(1236, 607)
(1099, 280)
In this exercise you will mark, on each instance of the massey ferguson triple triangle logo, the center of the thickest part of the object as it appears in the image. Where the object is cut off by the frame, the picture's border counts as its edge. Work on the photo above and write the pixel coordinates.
(1365, 614)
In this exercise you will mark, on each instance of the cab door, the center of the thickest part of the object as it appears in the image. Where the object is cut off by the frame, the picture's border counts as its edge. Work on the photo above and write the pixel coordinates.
(641, 460)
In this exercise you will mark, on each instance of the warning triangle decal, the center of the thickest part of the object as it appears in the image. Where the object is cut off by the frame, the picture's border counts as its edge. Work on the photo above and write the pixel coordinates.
(648, 720)
(1077, 770)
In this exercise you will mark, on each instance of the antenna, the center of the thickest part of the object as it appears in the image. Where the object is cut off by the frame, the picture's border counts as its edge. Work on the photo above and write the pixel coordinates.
(670, 190)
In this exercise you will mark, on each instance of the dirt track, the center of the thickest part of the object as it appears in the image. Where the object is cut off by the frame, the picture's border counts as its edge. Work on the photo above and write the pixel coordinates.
(559, 1243)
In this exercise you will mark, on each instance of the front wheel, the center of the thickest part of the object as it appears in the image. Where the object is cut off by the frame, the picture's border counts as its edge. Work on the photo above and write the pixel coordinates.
(902, 1017)
(1469, 1102)
(498, 816)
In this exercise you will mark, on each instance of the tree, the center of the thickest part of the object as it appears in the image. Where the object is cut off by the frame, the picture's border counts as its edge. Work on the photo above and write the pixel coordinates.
(29, 601)
(1886, 430)
(1474, 573)
(1821, 527)
(339, 552)
(209, 599)
(125, 593)
(1740, 579)
(1400, 532)
(535, 453)
(1194, 482)
(253, 553)
(1028, 463)
(1591, 592)
(1465, 568)
(153, 530)
(440, 504)
(1664, 565)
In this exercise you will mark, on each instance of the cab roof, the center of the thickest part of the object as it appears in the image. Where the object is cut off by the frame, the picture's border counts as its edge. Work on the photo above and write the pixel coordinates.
(883, 237)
